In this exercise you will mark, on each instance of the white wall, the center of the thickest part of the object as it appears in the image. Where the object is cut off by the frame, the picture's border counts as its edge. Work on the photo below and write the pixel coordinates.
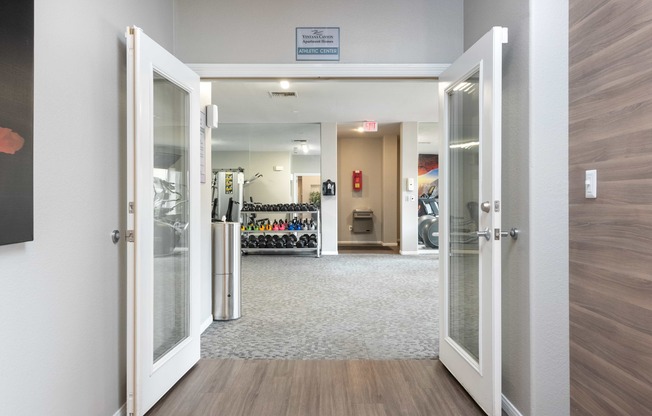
(273, 187)
(329, 203)
(390, 197)
(206, 296)
(535, 170)
(549, 259)
(62, 296)
(306, 164)
(409, 168)
(371, 31)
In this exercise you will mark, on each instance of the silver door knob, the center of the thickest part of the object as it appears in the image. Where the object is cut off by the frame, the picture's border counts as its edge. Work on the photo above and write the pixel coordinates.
(486, 234)
(485, 206)
(512, 233)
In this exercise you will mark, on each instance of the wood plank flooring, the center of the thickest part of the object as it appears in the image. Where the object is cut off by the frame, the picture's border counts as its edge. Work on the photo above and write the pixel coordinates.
(317, 388)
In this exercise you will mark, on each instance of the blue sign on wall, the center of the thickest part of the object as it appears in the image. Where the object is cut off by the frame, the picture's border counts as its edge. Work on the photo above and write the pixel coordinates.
(318, 44)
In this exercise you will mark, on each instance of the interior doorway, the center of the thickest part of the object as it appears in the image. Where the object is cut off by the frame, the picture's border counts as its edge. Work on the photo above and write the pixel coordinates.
(274, 133)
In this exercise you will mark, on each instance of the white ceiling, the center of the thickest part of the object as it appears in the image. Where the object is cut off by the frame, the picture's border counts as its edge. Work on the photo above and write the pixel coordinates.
(251, 119)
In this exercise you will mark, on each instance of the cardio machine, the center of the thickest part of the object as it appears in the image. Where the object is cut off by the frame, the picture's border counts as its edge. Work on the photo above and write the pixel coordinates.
(428, 213)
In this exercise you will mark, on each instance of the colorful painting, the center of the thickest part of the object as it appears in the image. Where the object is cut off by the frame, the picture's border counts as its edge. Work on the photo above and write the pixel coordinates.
(428, 173)
(16, 121)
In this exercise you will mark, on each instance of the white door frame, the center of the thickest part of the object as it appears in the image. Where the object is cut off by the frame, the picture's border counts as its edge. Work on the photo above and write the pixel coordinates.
(390, 71)
(148, 379)
(317, 71)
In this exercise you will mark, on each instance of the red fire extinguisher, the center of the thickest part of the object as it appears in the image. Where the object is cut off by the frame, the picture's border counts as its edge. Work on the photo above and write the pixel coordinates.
(357, 180)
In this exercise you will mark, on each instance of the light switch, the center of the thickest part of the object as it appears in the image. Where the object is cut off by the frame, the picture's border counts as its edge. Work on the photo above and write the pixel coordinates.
(591, 184)
(410, 184)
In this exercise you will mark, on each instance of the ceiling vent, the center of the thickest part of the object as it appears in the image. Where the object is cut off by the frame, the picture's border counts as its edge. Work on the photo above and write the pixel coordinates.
(283, 94)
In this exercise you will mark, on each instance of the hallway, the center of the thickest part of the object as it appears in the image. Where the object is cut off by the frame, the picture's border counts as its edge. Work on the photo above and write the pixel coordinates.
(311, 388)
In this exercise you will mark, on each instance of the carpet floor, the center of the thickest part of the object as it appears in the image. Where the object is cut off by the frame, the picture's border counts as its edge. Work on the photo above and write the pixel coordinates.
(351, 306)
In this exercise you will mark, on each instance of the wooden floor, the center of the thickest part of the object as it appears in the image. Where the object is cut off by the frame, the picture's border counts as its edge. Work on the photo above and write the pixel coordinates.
(319, 388)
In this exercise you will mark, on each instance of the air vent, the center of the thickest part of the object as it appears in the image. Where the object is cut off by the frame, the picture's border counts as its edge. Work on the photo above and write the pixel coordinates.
(283, 94)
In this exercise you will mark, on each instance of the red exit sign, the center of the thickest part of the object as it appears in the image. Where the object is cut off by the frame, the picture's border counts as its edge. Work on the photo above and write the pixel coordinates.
(370, 126)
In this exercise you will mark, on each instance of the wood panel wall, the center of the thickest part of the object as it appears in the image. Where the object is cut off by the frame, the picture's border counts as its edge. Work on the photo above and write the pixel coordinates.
(611, 236)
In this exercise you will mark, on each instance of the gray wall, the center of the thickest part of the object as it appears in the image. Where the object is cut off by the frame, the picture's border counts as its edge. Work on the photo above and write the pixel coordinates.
(62, 297)
(535, 275)
(371, 31)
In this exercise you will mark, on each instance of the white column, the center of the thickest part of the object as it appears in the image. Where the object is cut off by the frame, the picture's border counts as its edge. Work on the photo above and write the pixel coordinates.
(206, 309)
(409, 169)
(390, 191)
(329, 203)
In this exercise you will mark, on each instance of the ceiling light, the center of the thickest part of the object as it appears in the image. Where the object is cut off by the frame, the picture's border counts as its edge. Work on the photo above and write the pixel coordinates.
(465, 146)
(285, 84)
(359, 129)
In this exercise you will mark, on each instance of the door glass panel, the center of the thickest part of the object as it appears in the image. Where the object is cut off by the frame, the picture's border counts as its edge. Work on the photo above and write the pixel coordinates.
(464, 191)
(171, 260)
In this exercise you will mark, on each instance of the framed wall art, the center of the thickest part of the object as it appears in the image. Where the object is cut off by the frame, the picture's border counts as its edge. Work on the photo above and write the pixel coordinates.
(16, 122)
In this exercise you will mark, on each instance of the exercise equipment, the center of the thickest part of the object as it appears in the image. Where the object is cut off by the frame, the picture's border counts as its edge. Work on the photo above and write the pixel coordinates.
(428, 228)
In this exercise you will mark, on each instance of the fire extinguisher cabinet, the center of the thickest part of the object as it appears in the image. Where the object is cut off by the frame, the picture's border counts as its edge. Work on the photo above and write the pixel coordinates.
(227, 262)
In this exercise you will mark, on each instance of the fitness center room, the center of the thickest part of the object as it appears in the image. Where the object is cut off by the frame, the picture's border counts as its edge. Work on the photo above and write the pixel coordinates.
(305, 176)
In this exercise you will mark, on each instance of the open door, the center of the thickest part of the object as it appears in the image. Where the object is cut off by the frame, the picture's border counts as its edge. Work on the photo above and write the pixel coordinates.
(163, 218)
(470, 203)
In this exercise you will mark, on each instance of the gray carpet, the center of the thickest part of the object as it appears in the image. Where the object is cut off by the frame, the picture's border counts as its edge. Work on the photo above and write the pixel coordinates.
(352, 306)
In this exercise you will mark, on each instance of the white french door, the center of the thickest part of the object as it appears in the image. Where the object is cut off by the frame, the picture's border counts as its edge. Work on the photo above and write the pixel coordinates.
(163, 217)
(470, 268)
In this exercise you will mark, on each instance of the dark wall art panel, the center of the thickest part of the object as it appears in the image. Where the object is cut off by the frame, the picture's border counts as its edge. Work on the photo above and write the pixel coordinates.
(16, 121)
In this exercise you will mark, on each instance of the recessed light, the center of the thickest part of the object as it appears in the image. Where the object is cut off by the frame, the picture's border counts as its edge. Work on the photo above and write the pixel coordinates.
(359, 129)
(285, 84)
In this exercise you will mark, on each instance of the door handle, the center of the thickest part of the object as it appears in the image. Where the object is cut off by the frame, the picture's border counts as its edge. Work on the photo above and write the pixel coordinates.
(485, 206)
(512, 233)
(486, 234)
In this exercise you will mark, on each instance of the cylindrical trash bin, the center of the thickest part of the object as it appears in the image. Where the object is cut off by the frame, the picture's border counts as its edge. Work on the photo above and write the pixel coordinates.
(226, 270)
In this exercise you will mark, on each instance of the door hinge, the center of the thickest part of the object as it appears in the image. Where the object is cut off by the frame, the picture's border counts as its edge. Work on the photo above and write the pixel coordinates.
(131, 207)
(130, 405)
(130, 236)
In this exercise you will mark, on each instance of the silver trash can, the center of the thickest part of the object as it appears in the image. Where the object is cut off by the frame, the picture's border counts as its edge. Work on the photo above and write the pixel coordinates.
(226, 270)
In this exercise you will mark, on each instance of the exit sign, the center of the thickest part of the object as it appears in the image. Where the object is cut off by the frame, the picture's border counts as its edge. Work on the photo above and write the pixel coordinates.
(370, 126)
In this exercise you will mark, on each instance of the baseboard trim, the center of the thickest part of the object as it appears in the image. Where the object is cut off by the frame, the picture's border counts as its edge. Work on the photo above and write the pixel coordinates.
(360, 243)
(329, 253)
(122, 411)
(390, 244)
(206, 323)
(509, 408)
(408, 253)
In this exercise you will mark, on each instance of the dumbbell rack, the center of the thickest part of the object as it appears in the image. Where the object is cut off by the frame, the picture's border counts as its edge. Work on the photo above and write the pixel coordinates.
(314, 214)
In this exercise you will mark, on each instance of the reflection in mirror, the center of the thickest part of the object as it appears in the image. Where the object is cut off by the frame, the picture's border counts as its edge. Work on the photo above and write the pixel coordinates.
(277, 163)
(428, 186)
